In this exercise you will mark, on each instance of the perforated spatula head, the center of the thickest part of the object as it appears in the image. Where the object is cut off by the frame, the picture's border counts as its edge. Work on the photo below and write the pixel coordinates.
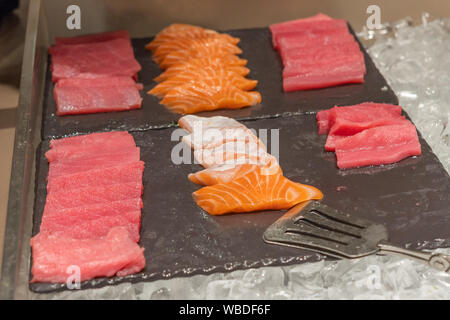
(314, 226)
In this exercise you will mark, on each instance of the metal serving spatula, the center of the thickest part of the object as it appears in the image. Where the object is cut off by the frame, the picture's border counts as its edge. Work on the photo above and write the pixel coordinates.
(314, 226)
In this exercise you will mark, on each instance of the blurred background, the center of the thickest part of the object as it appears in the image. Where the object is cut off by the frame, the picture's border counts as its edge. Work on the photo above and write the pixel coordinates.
(156, 14)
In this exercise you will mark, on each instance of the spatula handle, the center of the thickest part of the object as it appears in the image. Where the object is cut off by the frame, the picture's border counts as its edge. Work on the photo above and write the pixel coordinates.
(438, 261)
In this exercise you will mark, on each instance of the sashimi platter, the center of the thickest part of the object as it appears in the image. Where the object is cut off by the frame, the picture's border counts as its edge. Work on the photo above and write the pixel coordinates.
(171, 155)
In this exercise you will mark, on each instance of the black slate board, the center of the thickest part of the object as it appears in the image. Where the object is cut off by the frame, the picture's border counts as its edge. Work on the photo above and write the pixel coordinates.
(411, 198)
(266, 67)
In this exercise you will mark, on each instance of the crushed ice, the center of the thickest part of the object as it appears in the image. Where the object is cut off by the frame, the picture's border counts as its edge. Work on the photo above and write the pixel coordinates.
(415, 61)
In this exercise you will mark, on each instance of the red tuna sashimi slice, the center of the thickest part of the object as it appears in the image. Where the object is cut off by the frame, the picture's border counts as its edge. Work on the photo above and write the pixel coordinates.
(281, 26)
(71, 166)
(66, 152)
(77, 100)
(347, 120)
(295, 67)
(115, 254)
(323, 25)
(363, 120)
(103, 62)
(63, 199)
(99, 82)
(94, 60)
(70, 153)
(323, 116)
(94, 221)
(332, 139)
(313, 38)
(308, 24)
(324, 78)
(278, 28)
(322, 53)
(93, 211)
(96, 50)
(94, 228)
(123, 173)
(118, 81)
(379, 145)
(91, 38)
(97, 138)
(104, 158)
(323, 121)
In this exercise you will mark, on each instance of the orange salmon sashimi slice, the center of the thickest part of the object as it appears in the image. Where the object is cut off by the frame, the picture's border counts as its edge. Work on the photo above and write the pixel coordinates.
(213, 50)
(184, 31)
(233, 64)
(254, 192)
(215, 45)
(220, 174)
(219, 40)
(190, 98)
(177, 31)
(209, 73)
(227, 172)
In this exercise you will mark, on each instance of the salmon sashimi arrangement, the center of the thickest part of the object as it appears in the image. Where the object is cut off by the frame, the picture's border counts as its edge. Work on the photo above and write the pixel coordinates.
(203, 71)
(93, 207)
(317, 52)
(95, 73)
(368, 134)
(239, 174)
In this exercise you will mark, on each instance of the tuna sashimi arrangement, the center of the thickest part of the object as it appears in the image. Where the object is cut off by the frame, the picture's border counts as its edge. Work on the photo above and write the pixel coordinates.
(92, 213)
(95, 73)
(368, 134)
(317, 52)
(202, 70)
(239, 174)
